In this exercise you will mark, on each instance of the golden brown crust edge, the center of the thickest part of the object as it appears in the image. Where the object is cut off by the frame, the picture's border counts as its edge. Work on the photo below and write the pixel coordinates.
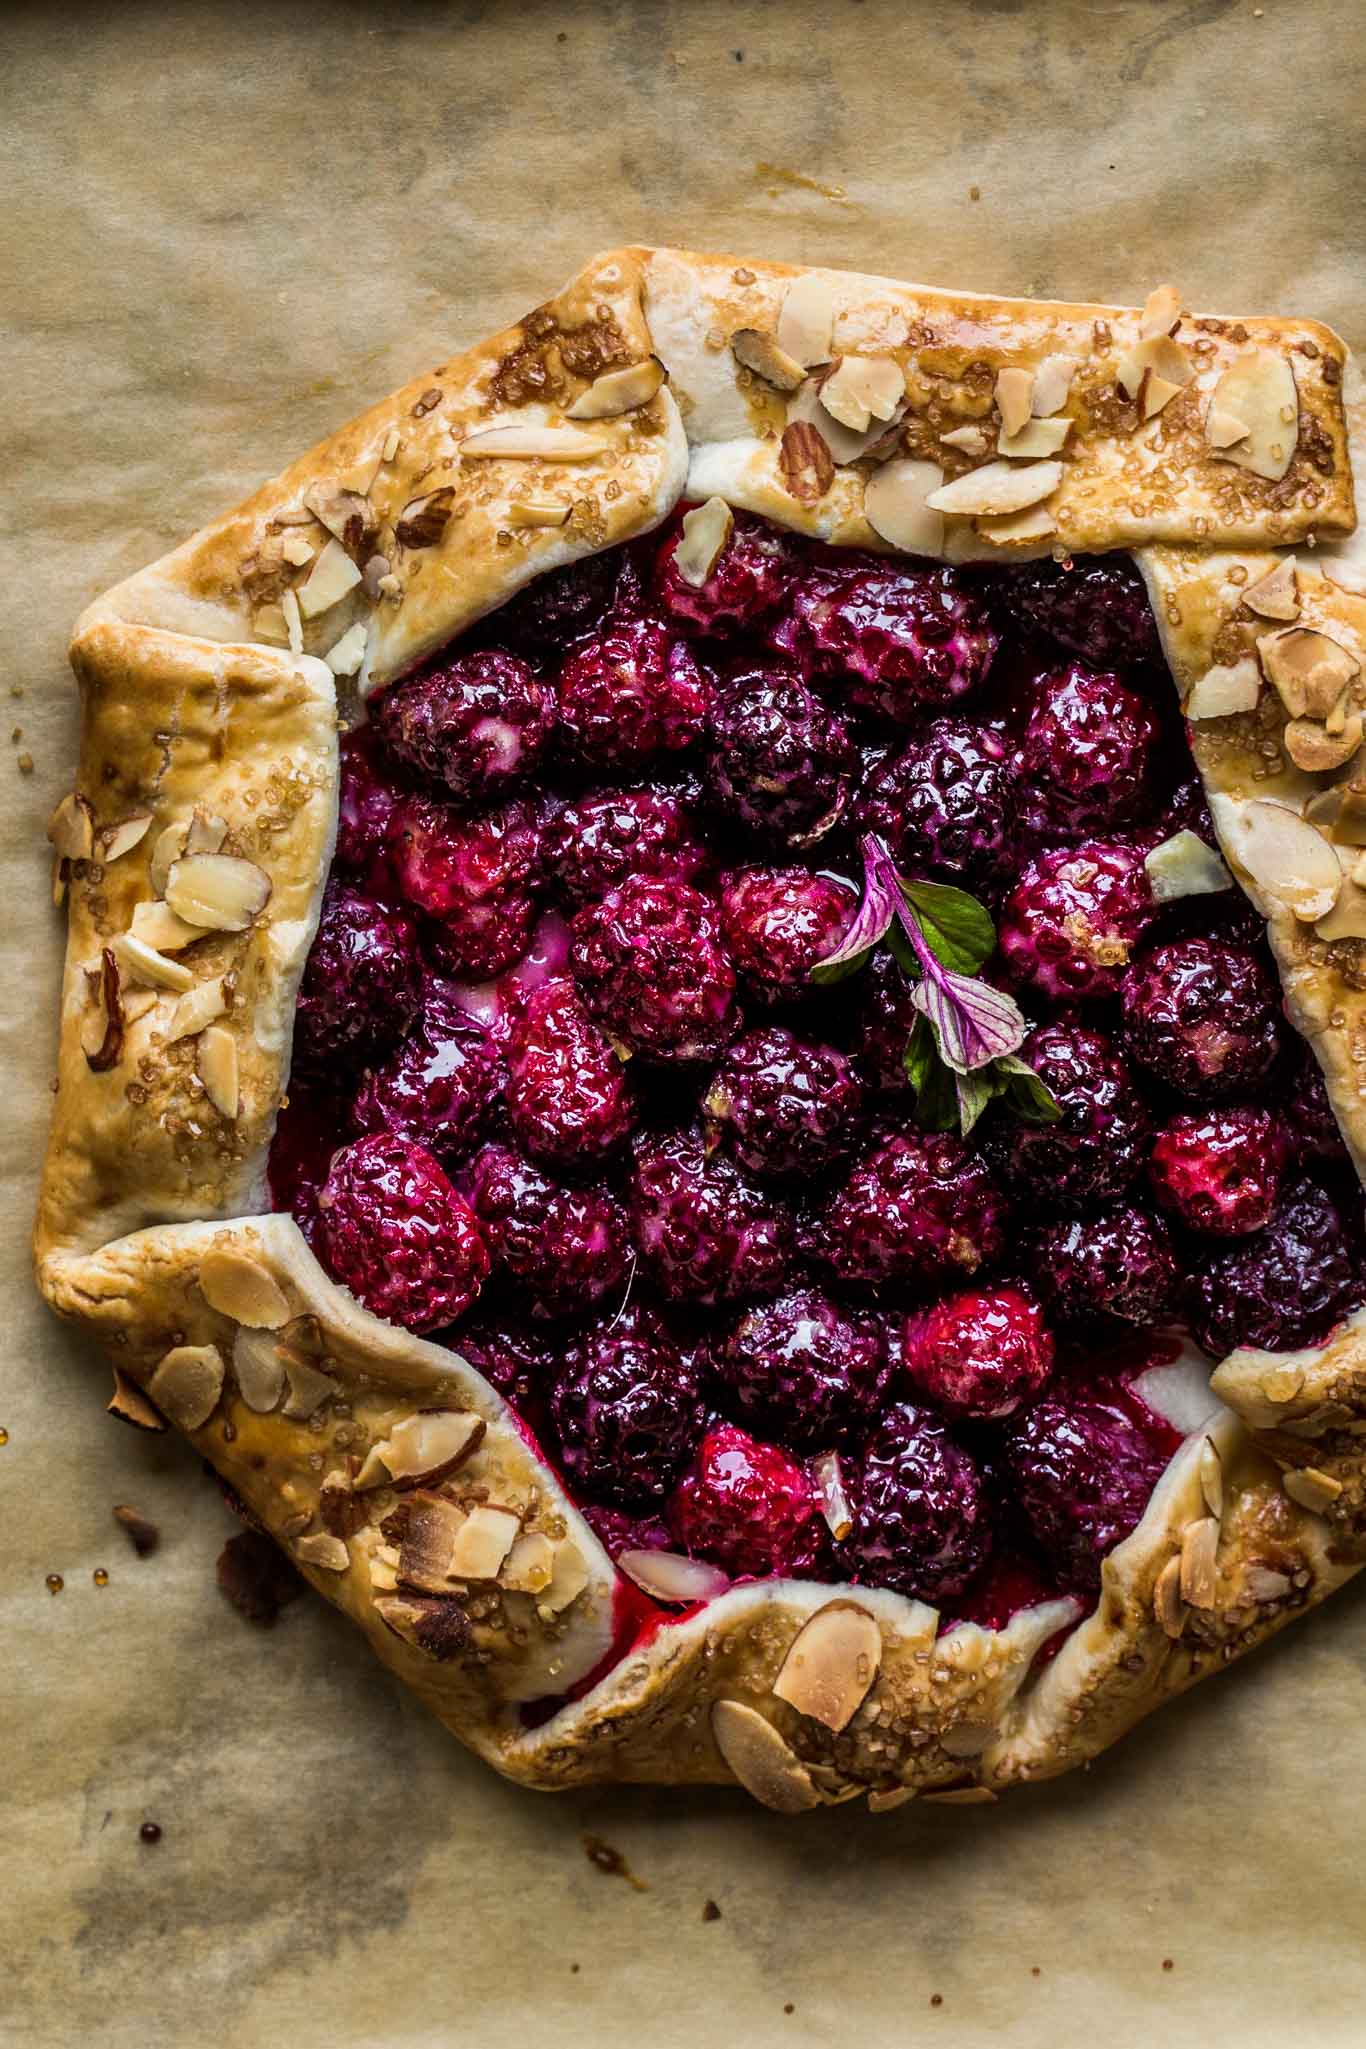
(956, 1716)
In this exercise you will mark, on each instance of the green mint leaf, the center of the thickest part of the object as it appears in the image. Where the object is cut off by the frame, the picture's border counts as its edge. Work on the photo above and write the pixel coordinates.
(829, 971)
(956, 928)
(902, 952)
(920, 1056)
(936, 1103)
(1032, 1101)
(975, 1091)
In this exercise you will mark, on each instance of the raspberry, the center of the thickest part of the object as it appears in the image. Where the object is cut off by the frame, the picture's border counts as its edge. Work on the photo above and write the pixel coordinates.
(648, 959)
(1115, 1266)
(1203, 1014)
(516, 1359)
(1094, 1150)
(922, 1522)
(1287, 1286)
(778, 759)
(365, 810)
(946, 805)
(885, 1019)
(778, 922)
(393, 1230)
(1073, 919)
(784, 1105)
(1096, 608)
(442, 1085)
(568, 1102)
(706, 1233)
(979, 1355)
(476, 724)
(564, 1248)
(1087, 755)
(470, 874)
(1219, 1170)
(1083, 1473)
(918, 1209)
(634, 693)
(746, 1506)
(361, 983)
(596, 842)
(627, 1409)
(749, 580)
(803, 1369)
(906, 640)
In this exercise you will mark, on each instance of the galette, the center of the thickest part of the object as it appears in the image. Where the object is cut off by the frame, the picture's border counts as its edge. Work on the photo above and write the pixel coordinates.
(714, 1032)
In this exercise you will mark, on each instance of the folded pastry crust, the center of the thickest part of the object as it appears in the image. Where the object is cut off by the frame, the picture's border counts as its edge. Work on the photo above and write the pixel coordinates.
(193, 854)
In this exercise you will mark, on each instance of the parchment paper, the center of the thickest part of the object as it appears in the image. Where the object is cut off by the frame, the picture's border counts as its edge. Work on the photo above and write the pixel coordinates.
(224, 230)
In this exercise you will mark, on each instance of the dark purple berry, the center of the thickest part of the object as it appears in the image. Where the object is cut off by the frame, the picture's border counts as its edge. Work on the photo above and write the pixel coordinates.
(781, 1104)
(567, 1097)
(747, 1507)
(979, 1355)
(393, 1230)
(649, 961)
(361, 983)
(1203, 1014)
(595, 843)
(778, 760)
(777, 923)
(365, 812)
(1219, 1170)
(803, 1369)
(475, 726)
(516, 1358)
(919, 1209)
(1096, 607)
(627, 1409)
(471, 875)
(903, 640)
(633, 695)
(749, 580)
(1094, 1150)
(564, 1249)
(441, 1086)
(946, 805)
(885, 1018)
(552, 613)
(1074, 918)
(1312, 1131)
(1086, 757)
(706, 1233)
(1287, 1286)
(1082, 1472)
(1115, 1266)
(922, 1522)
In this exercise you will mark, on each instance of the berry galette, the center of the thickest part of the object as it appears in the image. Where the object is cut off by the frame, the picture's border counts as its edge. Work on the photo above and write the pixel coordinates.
(715, 1022)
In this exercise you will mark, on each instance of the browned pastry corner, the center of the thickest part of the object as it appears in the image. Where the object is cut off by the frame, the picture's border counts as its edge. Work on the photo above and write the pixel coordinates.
(192, 855)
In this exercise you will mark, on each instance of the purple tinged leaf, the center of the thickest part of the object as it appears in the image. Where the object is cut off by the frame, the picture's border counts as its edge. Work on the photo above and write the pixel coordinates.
(877, 908)
(972, 1022)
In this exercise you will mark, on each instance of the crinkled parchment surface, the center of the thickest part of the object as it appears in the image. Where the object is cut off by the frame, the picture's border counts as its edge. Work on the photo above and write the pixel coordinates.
(224, 230)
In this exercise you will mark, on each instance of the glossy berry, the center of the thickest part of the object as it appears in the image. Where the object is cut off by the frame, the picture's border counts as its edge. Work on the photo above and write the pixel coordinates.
(471, 875)
(922, 1522)
(441, 1087)
(393, 1230)
(745, 1505)
(563, 1249)
(515, 1357)
(884, 1020)
(366, 802)
(1219, 1170)
(634, 695)
(1203, 1014)
(1086, 756)
(919, 1209)
(1096, 607)
(1082, 1472)
(1311, 1129)
(1096, 1147)
(748, 581)
(1072, 921)
(567, 1096)
(778, 760)
(776, 923)
(1186, 810)
(554, 611)
(979, 1355)
(903, 640)
(649, 961)
(594, 843)
(475, 726)
(1115, 1266)
(617, 1530)
(706, 1232)
(803, 1369)
(1287, 1286)
(361, 983)
(627, 1410)
(947, 803)
(782, 1105)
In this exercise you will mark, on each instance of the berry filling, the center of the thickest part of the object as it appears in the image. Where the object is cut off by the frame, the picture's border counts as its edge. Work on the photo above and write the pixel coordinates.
(621, 1061)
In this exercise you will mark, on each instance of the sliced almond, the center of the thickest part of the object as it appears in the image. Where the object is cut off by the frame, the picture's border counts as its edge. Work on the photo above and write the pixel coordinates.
(345, 656)
(1168, 1606)
(187, 1384)
(828, 1474)
(536, 512)
(1052, 382)
(804, 408)
(423, 522)
(102, 1028)
(1275, 595)
(220, 892)
(527, 441)
(348, 516)
(1014, 398)
(157, 926)
(1312, 1489)
(529, 1565)
(1158, 394)
(331, 577)
(1225, 689)
(1184, 866)
(968, 1739)
(170, 845)
(896, 505)
(298, 551)
(205, 832)
(863, 388)
(71, 828)
(805, 461)
(130, 1404)
(706, 530)
(1315, 749)
(1265, 1584)
(260, 1370)
(998, 487)
(1035, 439)
(216, 1064)
(831, 1664)
(1224, 429)
(1289, 860)
(117, 840)
(309, 1387)
(1161, 312)
(567, 1581)
(1259, 389)
(886, 1799)
(483, 1541)
(670, 1577)
(1158, 355)
(1212, 1477)
(196, 1009)
(142, 963)
(972, 440)
(763, 354)
(422, 1449)
(963, 1796)
(431, 1525)
(137, 1003)
(320, 1548)
(1199, 1550)
(1035, 523)
(294, 620)
(1347, 919)
(1309, 670)
(393, 441)
(438, 1628)
(762, 1762)
(619, 391)
(806, 320)
(237, 1285)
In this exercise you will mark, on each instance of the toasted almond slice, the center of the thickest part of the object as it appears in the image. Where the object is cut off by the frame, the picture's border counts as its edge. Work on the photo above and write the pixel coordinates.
(1199, 1551)
(322, 1549)
(187, 1384)
(526, 441)
(422, 1449)
(1168, 1606)
(1309, 670)
(968, 1739)
(393, 441)
(1275, 595)
(345, 656)
(804, 408)
(157, 926)
(1212, 1477)
(1347, 919)
(670, 1577)
(963, 1796)
(1288, 859)
(619, 391)
(117, 840)
(885, 1799)
(309, 1388)
(422, 523)
(142, 963)
(1311, 1488)
(170, 845)
(762, 1762)
(482, 1542)
(196, 1009)
(298, 552)
(1035, 439)
(431, 1525)
(762, 354)
(237, 1285)
(863, 388)
(1259, 388)
(220, 892)
(1225, 690)
(1184, 866)
(828, 1474)
(1157, 355)
(130, 1404)
(1014, 398)
(529, 1564)
(1158, 393)
(1035, 523)
(706, 530)
(1316, 749)
(331, 577)
(971, 439)
(998, 487)
(1052, 382)
(383, 1568)
(260, 1369)
(1265, 1584)
(896, 505)
(1161, 312)
(1224, 429)
(831, 1664)
(217, 1066)
(205, 832)
(348, 517)
(806, 320)
(532, 512)
(567, 1581)
(137, 1002)
(293, 618)
(71, 828)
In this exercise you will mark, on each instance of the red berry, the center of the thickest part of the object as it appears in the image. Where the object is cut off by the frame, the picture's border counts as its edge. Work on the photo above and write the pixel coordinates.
(596, 842)
(393, 1230)
(903, 640)
(979, 1355)
(360, 985)
(782, 1104)
(1072, 921)
(746, 1506)
(627, 1410)
(1083, 1471)
(778, 760)
(946, 804)
(1096, 607)
(564, 1249)
(748, 581)
(777, 923)
(1286, 1286)
(634, 694)
(803, 1369)
(470, 874)
(1203, 1014)
(1095, 1149)
(1219, 1170)
(1087, 755)
(1116, 1266)
(705, 1232)
(919, 1209)
(475, 725)
(442, 1085)
(648, 959)
(568, 1102)
(365, 810)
